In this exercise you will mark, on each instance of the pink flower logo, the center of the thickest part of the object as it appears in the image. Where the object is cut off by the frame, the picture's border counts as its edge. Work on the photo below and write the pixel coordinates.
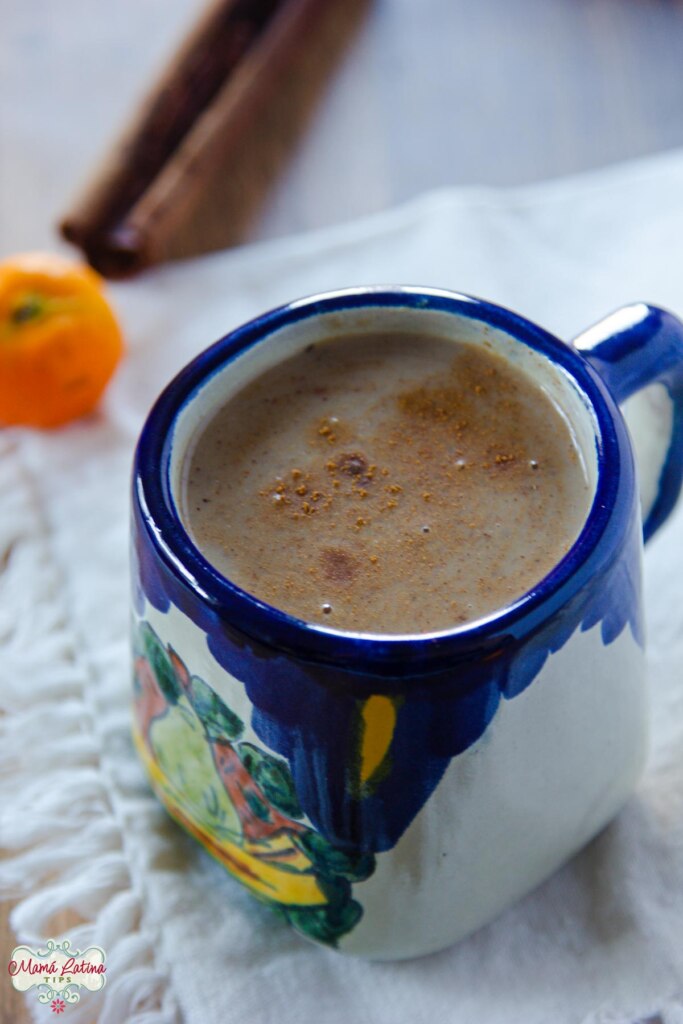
(58, 1005)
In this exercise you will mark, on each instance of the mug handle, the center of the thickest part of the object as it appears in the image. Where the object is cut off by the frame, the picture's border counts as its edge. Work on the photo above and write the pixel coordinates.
(638, 351)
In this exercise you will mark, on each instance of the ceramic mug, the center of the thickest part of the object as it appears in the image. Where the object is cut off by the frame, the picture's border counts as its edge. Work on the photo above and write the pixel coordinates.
(390, 794)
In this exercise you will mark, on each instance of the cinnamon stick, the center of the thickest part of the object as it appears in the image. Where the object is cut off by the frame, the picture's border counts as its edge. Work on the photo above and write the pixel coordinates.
(197, 111)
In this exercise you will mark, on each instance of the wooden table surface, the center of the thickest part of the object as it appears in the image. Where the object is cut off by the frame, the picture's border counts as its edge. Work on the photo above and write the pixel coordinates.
(397, 97)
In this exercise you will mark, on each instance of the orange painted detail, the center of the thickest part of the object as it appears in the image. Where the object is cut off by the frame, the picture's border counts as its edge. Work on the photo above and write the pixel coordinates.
(150, 702)
(59, 340)
(180, 669)
(240, 787)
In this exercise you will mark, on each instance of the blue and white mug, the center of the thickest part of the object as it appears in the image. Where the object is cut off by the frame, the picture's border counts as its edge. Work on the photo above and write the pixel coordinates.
(388, 795)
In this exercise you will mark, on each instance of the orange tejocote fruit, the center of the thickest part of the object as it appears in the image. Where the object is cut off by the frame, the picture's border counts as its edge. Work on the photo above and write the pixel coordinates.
(59, 340)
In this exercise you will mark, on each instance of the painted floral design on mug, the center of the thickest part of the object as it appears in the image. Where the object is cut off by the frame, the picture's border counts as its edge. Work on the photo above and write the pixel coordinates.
(236, 798)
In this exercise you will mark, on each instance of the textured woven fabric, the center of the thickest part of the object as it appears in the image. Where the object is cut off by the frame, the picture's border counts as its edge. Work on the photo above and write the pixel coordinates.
(599, 942)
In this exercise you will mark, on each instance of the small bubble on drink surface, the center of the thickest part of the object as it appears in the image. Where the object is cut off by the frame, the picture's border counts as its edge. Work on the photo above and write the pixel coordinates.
(533, 463)
(327, 608)
(278, 499)
(425, 529)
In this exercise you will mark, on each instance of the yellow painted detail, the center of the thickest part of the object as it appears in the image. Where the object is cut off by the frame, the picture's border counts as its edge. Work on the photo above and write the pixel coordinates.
(378, 723)
(279, 849)
(275, 869)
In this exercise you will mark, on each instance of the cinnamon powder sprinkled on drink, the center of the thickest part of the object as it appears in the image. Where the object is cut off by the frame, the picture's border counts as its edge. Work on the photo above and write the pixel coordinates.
(396, 484)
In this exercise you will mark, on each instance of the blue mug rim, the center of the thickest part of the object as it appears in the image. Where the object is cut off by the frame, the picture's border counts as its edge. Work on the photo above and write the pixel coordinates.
(600, 539)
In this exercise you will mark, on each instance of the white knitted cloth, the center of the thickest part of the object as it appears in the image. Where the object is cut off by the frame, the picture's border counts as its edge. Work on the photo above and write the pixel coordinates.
(601, 941)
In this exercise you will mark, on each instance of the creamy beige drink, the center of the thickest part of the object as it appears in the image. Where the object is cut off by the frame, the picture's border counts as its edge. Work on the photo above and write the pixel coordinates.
(384, 483)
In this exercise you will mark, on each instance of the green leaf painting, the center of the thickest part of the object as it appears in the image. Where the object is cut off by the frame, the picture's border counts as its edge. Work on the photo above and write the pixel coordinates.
(160, 663)
(273, 776)
(330, 860)
(217, 718)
